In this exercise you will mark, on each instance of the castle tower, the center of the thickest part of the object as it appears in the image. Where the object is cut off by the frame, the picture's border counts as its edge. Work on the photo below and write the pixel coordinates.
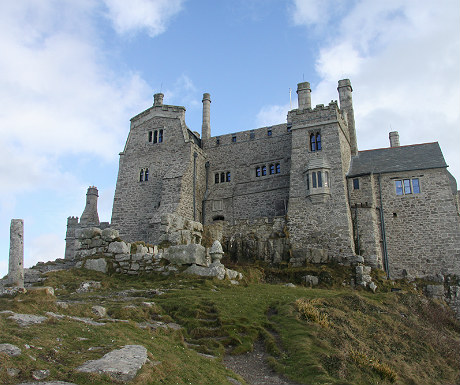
(206, 127)
(16, 262)
(304, 95)
(90, 216)
(346, 104)
(70, 239)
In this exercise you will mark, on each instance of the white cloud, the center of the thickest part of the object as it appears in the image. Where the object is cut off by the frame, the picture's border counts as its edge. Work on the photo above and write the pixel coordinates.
(270, 115)
(402, 57)
(44, 248)
(183, 92)
(136, 15)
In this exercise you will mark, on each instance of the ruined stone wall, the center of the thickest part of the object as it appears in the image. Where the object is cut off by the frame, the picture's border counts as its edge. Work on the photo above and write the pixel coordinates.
(248, 196)
(138, 206)
(422, 230)
(319, 219)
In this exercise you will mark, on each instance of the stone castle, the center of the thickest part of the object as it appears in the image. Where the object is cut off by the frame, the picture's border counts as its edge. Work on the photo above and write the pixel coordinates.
(294, 192)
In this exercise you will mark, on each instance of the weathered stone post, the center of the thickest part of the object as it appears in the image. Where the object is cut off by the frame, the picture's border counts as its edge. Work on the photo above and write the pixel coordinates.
(16, 265)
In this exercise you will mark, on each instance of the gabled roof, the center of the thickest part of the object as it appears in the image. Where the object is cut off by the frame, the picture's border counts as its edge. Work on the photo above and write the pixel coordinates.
(402, 158)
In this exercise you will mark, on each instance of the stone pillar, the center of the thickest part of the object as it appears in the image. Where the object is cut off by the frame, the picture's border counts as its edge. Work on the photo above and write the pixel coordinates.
(158, 100)
(394, 139)
(70, 239)
(16, 266)
(346, 104)
(206, 127)
(90, 216)
(304, 95)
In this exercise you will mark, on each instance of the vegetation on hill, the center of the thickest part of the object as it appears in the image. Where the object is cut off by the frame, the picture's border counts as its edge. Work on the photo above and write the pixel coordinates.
(327, 335)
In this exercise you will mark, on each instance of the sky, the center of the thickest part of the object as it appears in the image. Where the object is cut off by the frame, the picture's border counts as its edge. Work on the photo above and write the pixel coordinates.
(72, 74)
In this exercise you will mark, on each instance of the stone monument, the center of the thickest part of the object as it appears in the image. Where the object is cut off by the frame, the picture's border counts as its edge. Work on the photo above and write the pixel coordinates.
(16, 263)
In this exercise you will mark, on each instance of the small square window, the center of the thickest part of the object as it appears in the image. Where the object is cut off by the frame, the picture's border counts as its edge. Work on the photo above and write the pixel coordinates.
(415, 186)
(399, 187)
(257, 171)
(407, 187)
(234, 138)
(217, 141)
(269, 132)
(252, 134)
(356, 184)
(278, 168)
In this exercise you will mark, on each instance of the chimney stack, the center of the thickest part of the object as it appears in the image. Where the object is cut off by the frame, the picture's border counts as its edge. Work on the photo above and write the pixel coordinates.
(304, 95)
(90, 216)
(158, 100)
(346, 104)
(206, 127)
(394, 139)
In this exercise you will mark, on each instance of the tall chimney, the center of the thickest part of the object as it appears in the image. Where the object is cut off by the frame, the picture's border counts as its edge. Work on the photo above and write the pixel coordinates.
(158, 100)
(90, 216)
(206, 127)
(394, 139)
(304, 95)
(346, 104)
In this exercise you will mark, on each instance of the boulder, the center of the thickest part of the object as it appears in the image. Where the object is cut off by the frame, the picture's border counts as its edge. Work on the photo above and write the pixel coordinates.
(99, 311)
(121, 365)
(25, 320)
(311, 280)
(99, 264)
(10, 350)
(119, 248)
(186, 255)
(109, 235)
(214, 270)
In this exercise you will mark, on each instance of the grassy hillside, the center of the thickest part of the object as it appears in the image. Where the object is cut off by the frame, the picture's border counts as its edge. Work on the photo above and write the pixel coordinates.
(328, 335)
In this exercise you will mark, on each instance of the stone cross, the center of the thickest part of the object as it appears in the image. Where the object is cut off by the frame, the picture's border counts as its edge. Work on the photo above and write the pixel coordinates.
(16, 264)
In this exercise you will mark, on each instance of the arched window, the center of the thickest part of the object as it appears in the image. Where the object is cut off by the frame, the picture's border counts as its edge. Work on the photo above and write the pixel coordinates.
(257, 171)
(312, 142)
(216, 178)
(318, 142)
(272, 169)
(264, 170)
(160, 136)
(278, 168)
(141, 175)
(146, 178)
(228, 176)
(155, 136)
(313, 179)
(320, 179)
(308, 181)
(222, 177)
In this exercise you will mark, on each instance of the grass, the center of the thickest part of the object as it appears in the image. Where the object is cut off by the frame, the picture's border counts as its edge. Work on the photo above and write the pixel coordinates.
(332, 335)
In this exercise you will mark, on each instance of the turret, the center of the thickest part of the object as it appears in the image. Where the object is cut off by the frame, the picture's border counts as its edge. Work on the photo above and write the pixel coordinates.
(206, 127)
(394, 139)
(90, 216)
(304, 95)
(346, 104)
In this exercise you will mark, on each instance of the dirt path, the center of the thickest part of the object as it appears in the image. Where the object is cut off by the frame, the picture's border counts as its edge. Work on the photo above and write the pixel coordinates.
(254, 368)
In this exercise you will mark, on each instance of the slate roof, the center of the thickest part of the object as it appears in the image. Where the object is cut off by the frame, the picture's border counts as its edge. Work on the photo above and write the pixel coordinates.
(402, 158)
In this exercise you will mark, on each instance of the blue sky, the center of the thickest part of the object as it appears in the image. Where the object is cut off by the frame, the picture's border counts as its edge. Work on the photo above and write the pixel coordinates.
(72, 74)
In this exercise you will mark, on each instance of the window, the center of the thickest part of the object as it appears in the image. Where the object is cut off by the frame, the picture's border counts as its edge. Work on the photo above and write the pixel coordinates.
(326, 179)
(272, 169)
(252, 134)
(257, 171)
(356, 184)
(141, 175)
(264, 170)
(320, 179)
(222, 177)
(160, 136)
(308, 181)
(227, 176)
(150, 136)
(315, 142)
(234, 138)
(415, 186)
(216, 178)
(399, 187)
(318, 141)
(278, 168)
(146, 177)
(155, 136)
(407, 186)
(269, 132)
(313, 179)
(217, 141)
